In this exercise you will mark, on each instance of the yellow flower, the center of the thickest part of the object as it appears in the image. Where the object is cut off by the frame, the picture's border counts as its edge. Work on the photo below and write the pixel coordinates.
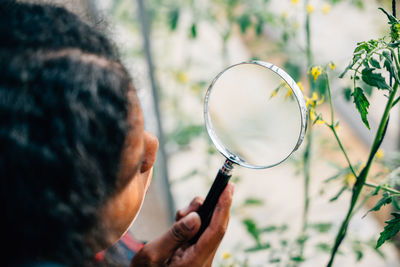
(332, 65)
(182, 77)
(284, 14)
(316, 119)
(312, 115)
(380, 154)
(226, 255)
(310, 9)
(289, 93)
(300, 85)
(281, 85)
(349, 179)
(273, 94)
(295, 2)
(326, 9)
(322, 100)
(316, 71)
(314, 96)
(312, 101)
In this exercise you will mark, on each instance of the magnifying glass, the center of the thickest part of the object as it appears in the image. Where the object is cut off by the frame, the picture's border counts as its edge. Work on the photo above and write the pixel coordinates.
(256, 116)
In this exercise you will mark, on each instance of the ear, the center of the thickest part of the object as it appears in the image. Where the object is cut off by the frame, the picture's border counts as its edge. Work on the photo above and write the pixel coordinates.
(150, 152)
(149, 158)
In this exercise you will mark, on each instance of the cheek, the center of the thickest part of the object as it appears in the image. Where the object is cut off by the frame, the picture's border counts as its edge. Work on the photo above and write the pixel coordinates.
(128, 206)
(133, 201)
(148, 179)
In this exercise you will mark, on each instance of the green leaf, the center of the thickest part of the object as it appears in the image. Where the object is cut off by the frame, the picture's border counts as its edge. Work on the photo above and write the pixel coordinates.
(244, 22)
(394, 25)
(258, 247)
(173, 18)
(363, 48)
(321, 227)
(358, 250)
(358, 3)
(193, 31)
(394, 45)
(184, 134)
(302, 239)
(253, 202)
(335, 197)
(297, 259)
(390, 230)
(274, 260)
(252, 229)
(259, 26)
(324, 247)
(367, 88)
(386, 199)
(293, 69)
(392, 19)
(372, 244)
(374, 63)
(387, 55)
(346, 70)
(347, 93)
(362, 104)
(360, 47)
(389, 66)
(320, 85)
(396, 204)
(377, 189)
(274, 228)
(373, 79)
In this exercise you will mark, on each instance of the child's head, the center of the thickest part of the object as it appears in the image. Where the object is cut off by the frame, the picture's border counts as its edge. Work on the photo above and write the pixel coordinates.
(75, 161)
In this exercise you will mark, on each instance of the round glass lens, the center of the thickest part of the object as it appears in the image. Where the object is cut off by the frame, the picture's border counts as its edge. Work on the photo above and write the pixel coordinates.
(253, 115)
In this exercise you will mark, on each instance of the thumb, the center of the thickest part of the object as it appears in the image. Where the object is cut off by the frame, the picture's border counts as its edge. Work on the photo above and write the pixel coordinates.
(184, 229)
(181, 232)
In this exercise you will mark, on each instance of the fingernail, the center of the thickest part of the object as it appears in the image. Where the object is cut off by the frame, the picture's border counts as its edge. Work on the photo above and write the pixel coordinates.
(184, 210)
(191, 220)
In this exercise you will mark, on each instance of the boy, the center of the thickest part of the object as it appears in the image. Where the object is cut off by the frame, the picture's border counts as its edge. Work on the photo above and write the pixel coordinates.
(75, 160)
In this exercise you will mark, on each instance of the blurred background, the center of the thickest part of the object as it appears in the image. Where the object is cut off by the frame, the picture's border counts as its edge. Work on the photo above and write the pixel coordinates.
(174, 49)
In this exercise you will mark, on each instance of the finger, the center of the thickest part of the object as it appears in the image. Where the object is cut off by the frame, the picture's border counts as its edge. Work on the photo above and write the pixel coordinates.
(212, 236)
(161, 249)
(202, 253)
(193, 206)
(210, 259)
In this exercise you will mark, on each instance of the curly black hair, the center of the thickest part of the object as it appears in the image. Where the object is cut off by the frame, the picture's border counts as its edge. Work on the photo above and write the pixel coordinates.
(63, 123)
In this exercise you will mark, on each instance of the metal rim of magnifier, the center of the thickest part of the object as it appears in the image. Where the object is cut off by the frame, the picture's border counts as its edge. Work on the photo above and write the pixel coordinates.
(300, 101)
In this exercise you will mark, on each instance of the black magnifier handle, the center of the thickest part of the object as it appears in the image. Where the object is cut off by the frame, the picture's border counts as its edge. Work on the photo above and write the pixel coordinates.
(206, 210)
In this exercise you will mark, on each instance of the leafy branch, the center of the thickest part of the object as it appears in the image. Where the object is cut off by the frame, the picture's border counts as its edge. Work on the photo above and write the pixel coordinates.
(362, 55)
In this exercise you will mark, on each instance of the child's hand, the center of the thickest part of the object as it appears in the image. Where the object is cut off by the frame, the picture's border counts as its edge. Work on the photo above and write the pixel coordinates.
(173, 249)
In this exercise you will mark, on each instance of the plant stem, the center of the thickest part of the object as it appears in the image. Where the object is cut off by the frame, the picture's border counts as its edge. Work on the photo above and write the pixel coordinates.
(308, 149)
(396, 101)
(369, 184)
(359, 207)
(385, 188)
(332, 128)
(308, 40)
(343, 150)
(307, 168)
(361, 179)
